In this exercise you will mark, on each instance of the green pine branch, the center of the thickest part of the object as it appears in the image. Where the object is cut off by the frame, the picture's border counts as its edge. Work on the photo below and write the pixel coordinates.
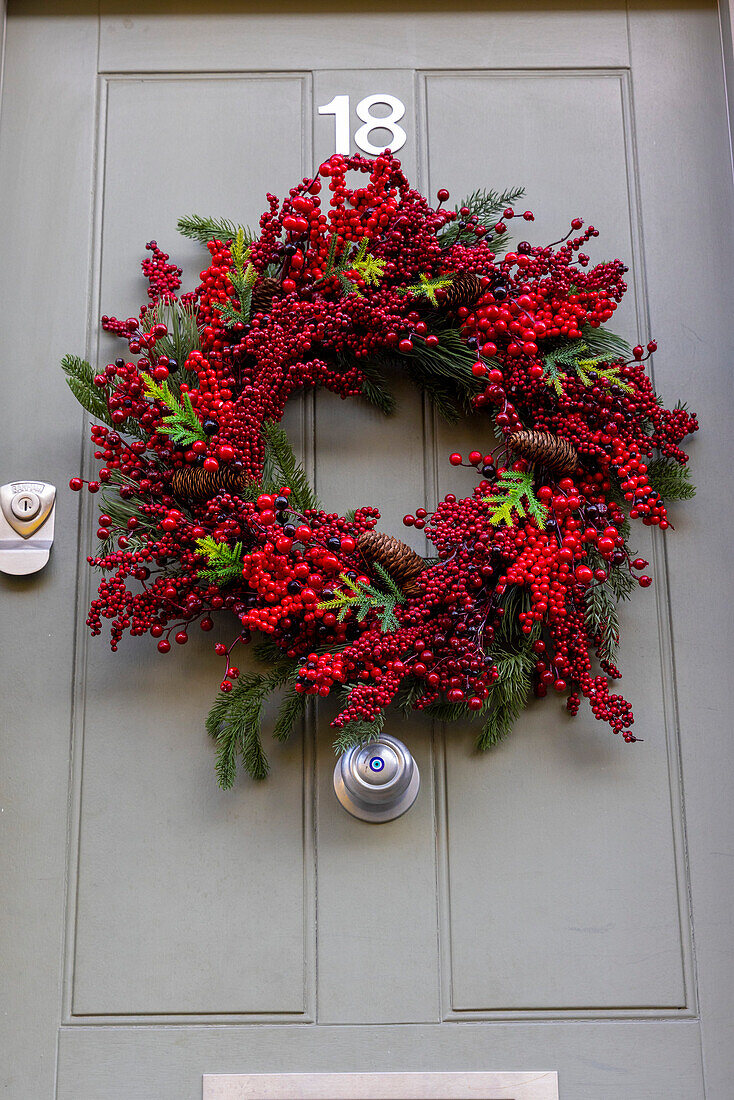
(605, 345)
(369, 268)
(358, 733)
(487, 205)
(374, 390)
(234, 721)
(601, 618)
(589, 371)
(224, 562)
(670, 479)
(80, 379)
(451, 361)
(211, 229)
(182, 425)
(181, 320)
(292, 709)
(281, 462)
(509, 693)
(514, 492)
(619, 579)
(339, 264)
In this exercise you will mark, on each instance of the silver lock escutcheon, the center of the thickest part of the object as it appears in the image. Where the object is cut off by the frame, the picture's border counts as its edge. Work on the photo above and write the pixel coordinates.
(378, 781)
(26, 526)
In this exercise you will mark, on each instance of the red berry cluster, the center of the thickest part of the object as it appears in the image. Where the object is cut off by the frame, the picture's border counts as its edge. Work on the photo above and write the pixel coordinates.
(332, 285)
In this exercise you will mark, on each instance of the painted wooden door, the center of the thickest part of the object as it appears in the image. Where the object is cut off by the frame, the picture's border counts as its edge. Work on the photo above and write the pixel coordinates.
(563, 903)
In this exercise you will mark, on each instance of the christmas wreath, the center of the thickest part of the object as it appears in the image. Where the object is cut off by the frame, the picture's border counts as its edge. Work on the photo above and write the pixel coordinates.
(205, 508)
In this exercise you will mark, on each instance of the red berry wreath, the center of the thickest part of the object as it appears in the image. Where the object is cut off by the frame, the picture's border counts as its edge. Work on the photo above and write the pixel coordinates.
(205, 508)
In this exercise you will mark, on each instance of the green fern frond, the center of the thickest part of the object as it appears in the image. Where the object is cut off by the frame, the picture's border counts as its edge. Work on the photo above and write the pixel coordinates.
(514, 491)
(427, 287)
(361, 599)
(182, 425)
(224, 562)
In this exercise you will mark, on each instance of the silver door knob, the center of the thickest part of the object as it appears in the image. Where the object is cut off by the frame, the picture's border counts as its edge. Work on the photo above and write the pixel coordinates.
(378, 781)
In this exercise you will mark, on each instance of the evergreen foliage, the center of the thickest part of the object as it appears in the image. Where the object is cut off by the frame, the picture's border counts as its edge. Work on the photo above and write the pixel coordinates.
(487, 205)
(588, 370)
(509, 694)
(358, 733)
(180, 318)
(670, 479)
(375, 390)
(427, 287)
(243, 277)
(212, 229)
(182, 425)
(224, 562)
(605, 345)
(601, 618)
(234, 722)
(281, 463)
(292, 709)
(514, 491)
(80, 379)
(360, 599)
(338, 264)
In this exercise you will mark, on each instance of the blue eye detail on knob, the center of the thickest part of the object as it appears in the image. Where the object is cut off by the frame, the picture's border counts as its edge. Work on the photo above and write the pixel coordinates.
(376, 764)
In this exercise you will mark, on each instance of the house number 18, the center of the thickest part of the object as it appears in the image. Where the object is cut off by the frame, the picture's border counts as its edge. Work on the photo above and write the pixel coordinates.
(339, 107)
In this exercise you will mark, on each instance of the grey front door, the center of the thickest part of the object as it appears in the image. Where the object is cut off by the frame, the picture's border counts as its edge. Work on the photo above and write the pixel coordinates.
(563, 903)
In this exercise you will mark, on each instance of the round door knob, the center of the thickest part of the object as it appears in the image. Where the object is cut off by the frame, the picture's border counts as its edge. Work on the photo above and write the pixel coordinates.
(378, 781)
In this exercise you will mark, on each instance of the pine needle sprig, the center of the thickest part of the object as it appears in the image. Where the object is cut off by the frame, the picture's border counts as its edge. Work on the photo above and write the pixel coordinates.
(224, 562)
(619, 579)
(292, 709)
(374, 390)
(234, 721)
(605, 345)
(281, 463)
(486, 205)
(509, 693)
(80, 379)
(587, 369)
(358, 733)
(452, 360)
(368, 267)
(602, 620)
(212, 229)
(514, 492)
(670, 479)
(589, 372)
(181, 320)
(361, 599)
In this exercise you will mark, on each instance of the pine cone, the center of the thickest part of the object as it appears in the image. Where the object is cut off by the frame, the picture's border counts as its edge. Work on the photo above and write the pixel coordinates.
(263, 292)
(196, 483)
(542, 447)
(464, 290)
(397, 559)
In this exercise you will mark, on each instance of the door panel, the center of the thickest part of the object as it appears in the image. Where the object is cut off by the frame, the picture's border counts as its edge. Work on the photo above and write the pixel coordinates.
(533, 898)
(584, 802)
